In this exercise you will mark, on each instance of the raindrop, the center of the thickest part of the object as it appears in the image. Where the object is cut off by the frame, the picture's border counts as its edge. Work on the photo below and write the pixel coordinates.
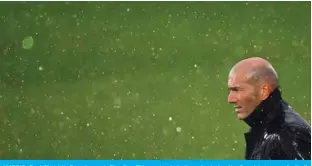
(170, 118)
(257, 48)
(117, 102)
(28, 42)
(270, 31)
(295, 43)
(32, 111)
(179, 129)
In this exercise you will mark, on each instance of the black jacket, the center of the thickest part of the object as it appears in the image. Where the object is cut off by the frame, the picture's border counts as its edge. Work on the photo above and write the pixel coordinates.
(277, 132)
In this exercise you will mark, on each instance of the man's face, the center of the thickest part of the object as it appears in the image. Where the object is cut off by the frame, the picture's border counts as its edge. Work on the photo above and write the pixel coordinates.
(242, 95)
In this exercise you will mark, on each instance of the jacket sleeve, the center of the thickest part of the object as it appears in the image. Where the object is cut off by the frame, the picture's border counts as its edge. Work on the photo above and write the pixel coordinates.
(299, 146)
(286, 146)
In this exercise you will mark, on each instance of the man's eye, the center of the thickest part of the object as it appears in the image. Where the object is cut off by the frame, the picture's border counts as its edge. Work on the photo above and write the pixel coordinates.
(233, 90)
(237, 90)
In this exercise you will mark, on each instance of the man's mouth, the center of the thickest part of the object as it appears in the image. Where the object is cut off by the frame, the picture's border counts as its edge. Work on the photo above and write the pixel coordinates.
(237, 108)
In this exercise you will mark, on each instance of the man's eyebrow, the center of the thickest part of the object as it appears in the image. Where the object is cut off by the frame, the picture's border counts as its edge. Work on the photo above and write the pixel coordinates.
(234, 87)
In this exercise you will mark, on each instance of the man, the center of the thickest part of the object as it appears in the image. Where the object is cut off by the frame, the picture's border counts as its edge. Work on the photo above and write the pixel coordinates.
(276, 132)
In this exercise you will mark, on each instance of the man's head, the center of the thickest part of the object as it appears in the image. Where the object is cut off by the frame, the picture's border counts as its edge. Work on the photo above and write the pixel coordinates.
(250, 82)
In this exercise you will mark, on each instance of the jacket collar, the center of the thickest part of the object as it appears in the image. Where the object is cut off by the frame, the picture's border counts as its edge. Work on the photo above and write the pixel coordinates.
(267, 110)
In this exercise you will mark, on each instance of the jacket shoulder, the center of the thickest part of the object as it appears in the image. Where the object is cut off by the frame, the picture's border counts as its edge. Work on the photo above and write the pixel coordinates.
(296, 135)
(293, 121)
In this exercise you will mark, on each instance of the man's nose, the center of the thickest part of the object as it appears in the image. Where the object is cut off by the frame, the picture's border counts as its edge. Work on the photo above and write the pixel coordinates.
(232, 99)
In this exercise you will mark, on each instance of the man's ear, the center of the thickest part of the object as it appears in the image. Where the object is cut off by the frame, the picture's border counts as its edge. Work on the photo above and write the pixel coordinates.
(265, 91)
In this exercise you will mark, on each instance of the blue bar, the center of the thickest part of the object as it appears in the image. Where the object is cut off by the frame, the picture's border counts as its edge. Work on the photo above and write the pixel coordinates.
(154, 163)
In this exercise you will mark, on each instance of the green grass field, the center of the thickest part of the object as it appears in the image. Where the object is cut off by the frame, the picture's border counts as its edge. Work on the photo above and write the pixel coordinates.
(139, 80)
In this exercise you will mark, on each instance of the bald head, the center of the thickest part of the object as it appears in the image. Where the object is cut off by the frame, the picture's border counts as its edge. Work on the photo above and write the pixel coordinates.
(251, 81)
(256, 71)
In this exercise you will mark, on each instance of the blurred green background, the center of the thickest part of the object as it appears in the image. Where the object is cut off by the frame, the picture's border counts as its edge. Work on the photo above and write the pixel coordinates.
(139, 80)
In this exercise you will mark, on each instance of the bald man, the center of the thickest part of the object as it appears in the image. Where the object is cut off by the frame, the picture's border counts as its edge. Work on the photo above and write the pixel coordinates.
(276, 132)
